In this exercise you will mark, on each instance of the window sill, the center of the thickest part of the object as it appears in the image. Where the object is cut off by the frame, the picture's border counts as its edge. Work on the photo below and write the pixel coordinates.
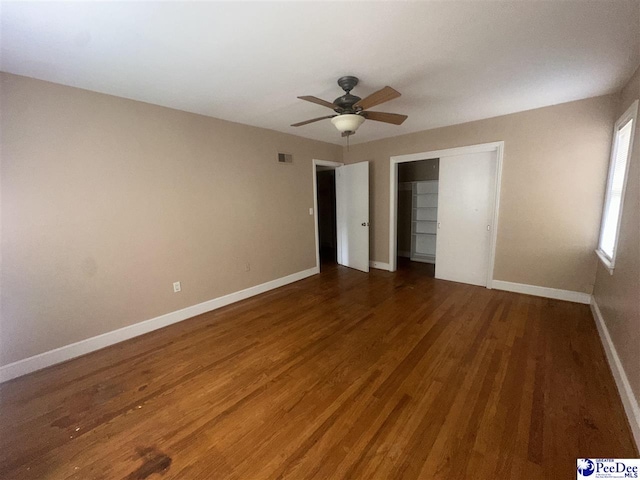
(605, 261)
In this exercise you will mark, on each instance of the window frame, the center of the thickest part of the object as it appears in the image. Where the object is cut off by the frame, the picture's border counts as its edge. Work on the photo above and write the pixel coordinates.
(631, 114)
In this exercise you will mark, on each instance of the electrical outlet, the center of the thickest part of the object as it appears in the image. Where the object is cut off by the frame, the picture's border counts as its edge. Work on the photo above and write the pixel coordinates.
(177, 287)
(247, 267)
(311, 211)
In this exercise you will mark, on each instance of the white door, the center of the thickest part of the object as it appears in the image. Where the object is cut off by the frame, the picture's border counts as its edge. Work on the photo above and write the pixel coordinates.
(352, 215)
(465, 216)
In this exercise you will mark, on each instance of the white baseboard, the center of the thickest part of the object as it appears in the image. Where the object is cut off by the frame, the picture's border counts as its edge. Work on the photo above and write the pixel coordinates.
(568, 295)
(631, 407)
(46, 359)
(379, 265)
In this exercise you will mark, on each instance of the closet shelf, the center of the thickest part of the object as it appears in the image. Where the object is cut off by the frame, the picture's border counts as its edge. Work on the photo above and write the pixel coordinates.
(424, 219)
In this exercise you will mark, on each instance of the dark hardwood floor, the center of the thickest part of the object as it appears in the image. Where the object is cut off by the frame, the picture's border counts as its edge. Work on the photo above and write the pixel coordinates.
(344, 375)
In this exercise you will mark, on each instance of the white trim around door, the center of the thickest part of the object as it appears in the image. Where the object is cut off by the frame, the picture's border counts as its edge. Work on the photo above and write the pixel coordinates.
(320, 163)
(497, 147)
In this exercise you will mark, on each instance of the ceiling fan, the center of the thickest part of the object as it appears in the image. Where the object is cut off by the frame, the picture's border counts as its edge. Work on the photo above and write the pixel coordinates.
(351, 109)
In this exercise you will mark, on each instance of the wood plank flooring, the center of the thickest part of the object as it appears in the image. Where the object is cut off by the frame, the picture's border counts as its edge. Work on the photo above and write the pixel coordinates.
(344, 375)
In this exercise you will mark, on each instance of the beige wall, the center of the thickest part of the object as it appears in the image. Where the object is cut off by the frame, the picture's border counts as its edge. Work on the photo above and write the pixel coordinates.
(618, 295)
(107, 201)
(555, 160)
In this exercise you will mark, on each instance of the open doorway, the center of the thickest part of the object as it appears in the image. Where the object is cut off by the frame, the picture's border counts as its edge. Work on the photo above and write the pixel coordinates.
(417, 215)
(325, 213)
(326, 197)
(343, 215)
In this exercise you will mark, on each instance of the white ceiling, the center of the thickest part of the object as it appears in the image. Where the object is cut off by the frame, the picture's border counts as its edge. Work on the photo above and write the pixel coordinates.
(247, 62)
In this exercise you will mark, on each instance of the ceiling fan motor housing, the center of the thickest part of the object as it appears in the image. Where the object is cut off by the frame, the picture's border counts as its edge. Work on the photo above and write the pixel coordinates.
(346, 102)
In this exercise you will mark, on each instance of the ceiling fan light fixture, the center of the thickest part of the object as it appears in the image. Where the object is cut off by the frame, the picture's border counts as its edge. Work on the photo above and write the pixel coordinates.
(348, 122)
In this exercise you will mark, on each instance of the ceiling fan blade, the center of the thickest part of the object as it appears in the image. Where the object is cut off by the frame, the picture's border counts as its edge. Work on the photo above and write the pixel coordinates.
(299, 124)
(383, 95)
(394, 118)
(318, 101)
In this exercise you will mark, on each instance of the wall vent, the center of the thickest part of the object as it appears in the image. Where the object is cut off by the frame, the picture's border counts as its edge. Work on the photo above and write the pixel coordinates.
(285, 158)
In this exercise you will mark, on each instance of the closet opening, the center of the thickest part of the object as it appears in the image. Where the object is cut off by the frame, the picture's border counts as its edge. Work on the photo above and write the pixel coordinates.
(417, 215)
(459, 211)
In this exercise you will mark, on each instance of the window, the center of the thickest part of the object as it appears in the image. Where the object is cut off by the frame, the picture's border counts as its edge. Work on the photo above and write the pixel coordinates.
(614, 199)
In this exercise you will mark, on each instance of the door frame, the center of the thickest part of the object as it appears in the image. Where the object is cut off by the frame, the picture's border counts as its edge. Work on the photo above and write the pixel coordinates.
(497, 147)
(322, 163)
